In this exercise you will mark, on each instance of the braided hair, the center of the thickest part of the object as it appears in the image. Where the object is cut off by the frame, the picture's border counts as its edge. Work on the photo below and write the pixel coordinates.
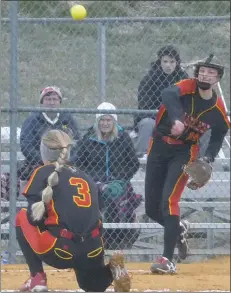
(55, 148)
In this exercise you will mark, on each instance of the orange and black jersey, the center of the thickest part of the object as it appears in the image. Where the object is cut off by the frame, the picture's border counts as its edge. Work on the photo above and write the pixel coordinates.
(75, 199)
(183, 102)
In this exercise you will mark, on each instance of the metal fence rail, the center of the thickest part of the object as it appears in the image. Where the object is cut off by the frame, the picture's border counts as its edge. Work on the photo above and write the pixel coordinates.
(104, 58)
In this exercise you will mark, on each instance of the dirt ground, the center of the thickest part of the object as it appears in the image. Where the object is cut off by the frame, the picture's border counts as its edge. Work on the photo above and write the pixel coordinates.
(210, 275)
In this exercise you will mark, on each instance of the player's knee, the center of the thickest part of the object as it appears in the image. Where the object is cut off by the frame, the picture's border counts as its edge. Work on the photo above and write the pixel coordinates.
(151, 213)
(148, 211)
(164, 208)
(147, 123)
(92, 285)
(170, 209)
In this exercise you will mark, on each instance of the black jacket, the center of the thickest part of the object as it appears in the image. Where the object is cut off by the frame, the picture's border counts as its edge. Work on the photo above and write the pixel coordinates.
(34, 127)
(106, 161)
(151, 86)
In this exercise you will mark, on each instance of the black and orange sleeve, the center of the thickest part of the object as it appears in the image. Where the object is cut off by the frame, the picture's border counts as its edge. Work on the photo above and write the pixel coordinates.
(171, 98)
(35, 182)
(33, 191)
(186, 86)
(219, 131)
(221, 107)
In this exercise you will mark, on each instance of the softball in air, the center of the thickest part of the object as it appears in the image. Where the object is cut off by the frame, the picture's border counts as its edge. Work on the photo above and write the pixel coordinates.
(78, 12)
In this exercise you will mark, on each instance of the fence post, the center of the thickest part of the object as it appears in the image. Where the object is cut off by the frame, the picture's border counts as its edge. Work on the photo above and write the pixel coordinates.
(210, 232)
(13, 90)
(102, 61)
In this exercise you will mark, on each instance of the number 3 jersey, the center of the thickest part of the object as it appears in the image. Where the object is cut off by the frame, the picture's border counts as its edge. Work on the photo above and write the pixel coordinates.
(74, 205)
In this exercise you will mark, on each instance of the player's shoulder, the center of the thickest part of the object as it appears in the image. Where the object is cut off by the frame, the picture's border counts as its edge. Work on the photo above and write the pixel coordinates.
(43, 170)
(187, 86)
(186, 81)
(73, 171)
(220, 106)
(38, 178)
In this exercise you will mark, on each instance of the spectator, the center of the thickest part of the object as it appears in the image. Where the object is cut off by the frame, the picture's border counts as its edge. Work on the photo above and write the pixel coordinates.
(37, 123)
(5, 186)
(164, 72)
(107, 154)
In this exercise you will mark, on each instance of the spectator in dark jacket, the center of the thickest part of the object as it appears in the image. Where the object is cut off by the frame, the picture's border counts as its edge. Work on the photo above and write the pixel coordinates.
(106, 151)
(37, 123)
(164, 72)
(107, 154)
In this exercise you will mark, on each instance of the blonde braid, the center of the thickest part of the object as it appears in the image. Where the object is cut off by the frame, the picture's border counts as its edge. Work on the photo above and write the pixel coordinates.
(54, 139)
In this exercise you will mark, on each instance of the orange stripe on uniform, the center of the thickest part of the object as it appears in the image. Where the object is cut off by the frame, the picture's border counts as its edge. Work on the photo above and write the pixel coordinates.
(18, 216)
(31, 180)
(220, 106)
(150, 145)
(40, 242)
(186, 86)
(53, 218)
(178, 189)
(160, 114)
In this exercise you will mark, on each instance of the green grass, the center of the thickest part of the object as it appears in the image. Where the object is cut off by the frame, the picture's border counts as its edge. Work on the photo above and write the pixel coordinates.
(122, 8)
(67, 55)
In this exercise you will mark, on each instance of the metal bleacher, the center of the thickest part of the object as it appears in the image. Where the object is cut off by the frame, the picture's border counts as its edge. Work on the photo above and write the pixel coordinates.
(212, 200)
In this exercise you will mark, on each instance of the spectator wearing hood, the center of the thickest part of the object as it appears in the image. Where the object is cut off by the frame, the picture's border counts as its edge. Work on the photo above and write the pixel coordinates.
(107, 154)
(166, 70)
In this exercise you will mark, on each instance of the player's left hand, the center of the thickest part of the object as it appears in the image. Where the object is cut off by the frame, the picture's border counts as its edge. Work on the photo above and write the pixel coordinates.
(199, 172)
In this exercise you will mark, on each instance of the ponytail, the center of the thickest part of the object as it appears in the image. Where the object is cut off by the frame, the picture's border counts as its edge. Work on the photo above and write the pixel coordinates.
(63, 142)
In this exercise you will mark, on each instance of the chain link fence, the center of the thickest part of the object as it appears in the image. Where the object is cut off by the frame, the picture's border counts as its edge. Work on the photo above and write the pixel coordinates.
(111, 56)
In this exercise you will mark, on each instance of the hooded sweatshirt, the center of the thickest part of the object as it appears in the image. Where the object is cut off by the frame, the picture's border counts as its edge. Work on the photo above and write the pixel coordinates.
(152, 84)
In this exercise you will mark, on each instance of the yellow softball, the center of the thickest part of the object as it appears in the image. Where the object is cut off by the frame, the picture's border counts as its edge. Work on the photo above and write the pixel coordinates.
(78, 12)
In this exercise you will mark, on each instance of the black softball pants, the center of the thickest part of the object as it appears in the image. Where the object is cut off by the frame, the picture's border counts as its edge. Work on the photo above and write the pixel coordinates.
(86, 258)
(164, 185)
